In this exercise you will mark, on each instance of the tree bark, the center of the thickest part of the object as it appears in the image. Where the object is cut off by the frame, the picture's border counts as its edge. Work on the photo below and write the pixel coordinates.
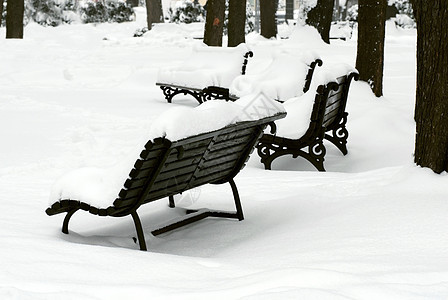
(320, 17)
(237, 23)
(289, 10)
(370, 52)
(14, 19)
(214, 22)
(154, 12)
(268, 22)
(1, 12)
(431, 107)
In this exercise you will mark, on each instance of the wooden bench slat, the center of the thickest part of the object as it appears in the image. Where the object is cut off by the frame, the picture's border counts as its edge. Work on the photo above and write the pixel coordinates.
(332, 108)
(184, 162)
(211, 177)
(330, 117)
(334, 98)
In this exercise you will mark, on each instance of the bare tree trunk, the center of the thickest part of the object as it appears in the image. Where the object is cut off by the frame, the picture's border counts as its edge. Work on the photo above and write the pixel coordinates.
(237, 22)
(268, 9)
(431, 108)
(289, 10)
(214, 22)
(320, 17)
(1, 12)
(154, 12)
(337, 10)
(14, 19)
(370, 52)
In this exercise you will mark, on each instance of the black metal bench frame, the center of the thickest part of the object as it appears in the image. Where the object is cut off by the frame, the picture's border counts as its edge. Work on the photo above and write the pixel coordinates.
(328, 121)
(213, 92)
(200, 94)
(167, 168)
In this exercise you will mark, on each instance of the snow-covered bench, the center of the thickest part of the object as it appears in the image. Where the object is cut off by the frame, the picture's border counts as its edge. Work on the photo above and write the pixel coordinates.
(172, 164)
(311, 118)
(206, 67)
(288, 75)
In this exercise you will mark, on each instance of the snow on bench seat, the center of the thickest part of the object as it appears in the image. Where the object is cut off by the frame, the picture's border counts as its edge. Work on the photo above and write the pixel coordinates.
(206, 66)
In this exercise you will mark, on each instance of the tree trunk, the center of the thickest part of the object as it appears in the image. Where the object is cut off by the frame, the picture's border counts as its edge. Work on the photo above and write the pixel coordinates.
(337, 11)
(370, 54)
(431, 108)
(237, 22)
(154, 12)
(320, 17)
(214, 22)
(268, 9)
(289, 10)
(1, 12)
(14, 19)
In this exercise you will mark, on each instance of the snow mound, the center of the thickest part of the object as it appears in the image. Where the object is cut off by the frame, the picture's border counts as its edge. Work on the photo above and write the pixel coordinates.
(305, 36)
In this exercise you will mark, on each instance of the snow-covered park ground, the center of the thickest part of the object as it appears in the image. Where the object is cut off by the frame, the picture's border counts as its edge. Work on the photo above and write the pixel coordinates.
(374, 226)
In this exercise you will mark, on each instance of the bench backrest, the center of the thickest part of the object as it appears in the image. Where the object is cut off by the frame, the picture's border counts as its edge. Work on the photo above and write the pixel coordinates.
(329, 104)
(337, 100)
(167, 168)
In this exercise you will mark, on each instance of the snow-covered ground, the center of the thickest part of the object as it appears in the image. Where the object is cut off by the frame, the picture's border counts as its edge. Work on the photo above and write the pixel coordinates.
(374, 226)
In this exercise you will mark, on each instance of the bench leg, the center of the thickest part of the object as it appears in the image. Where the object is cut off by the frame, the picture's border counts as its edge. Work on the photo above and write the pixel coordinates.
(315, 155)
(171, 202)
(138, 228)
(170, 92)
(339, 135)
(67, 219)
(236, 197)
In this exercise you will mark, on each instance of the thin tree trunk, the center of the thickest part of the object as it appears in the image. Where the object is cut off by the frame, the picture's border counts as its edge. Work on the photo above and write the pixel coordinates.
(1, 12)
(237, 22)
(268, 9)
(337, 10)
(370, 52)
(320, 17)
(14, 19)
(289, 10)
(431, 107)
(214, 22)
(154, 12)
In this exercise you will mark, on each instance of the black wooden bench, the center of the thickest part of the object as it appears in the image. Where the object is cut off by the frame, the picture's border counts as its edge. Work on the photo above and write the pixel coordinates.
(327, 121)
(170, 90)
(167, 168)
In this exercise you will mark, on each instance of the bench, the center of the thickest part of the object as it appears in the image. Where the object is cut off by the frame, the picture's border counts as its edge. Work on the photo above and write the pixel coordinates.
(286, 77)
(167, 168)
(327, 121)
(207, 66)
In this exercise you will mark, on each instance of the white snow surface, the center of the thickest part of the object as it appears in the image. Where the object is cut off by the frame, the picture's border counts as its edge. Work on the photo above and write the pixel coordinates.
(373, 226)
